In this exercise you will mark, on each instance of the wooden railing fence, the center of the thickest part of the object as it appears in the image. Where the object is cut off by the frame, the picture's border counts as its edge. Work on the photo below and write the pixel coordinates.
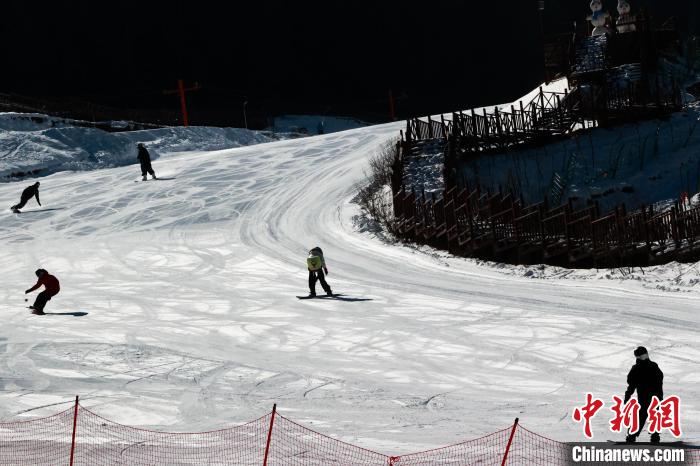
(547, 116)
(610, 87)
(500, 227)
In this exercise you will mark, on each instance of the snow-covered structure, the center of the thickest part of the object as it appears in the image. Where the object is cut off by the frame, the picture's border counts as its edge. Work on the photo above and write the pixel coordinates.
(626, 20)
(494, 210)
(599, 19)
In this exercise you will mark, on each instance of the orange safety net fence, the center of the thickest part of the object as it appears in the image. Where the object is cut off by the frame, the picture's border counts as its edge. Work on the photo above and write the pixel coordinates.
(272, 440)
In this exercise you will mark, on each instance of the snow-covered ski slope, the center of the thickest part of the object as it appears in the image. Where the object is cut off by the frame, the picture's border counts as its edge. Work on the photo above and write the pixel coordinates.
(41, 144)
(192, 323)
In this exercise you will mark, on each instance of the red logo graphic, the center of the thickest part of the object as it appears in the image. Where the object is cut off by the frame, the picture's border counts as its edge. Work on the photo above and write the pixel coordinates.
(662, 415)
(587, 412)
(625, 416)
(665, 415)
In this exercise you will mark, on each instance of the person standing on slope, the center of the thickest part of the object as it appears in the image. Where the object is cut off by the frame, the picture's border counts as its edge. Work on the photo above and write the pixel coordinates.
(144, 159)
(51, 289)
(317, 265)
(28, 193)
(645, 377)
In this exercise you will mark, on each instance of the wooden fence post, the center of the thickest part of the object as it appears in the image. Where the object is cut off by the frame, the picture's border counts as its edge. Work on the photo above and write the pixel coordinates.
(674, 226)
(474, 126)
(486, 125)
(542, 99)
(75, 425)
(645, 224)
(510, 441)
(560, 113)
(269, 433)
(498, 123)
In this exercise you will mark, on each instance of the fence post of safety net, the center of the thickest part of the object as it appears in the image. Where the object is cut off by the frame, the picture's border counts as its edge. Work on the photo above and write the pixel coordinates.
(75, 425)
(269, 433)
(510, 440)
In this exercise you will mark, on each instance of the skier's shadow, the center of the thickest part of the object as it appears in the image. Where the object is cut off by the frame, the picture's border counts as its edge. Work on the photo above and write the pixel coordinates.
(41, 210)
(341, 297)
(74, 314)
(166, 179)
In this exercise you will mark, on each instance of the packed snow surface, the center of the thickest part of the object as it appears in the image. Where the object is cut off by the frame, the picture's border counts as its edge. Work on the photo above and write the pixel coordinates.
(313, 124)
(189, 285)
(40, 144)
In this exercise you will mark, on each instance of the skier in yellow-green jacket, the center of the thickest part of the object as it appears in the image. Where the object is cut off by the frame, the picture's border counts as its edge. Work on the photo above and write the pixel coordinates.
(317, 266)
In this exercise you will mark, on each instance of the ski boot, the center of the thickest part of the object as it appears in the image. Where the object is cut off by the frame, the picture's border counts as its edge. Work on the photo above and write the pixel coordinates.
(655, 438)
(631, 439)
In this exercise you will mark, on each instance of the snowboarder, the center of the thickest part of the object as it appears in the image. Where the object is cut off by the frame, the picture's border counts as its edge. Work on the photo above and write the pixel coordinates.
(645, 377)
(145, 159)
(51, 289)
(28, 193)
(317, 265)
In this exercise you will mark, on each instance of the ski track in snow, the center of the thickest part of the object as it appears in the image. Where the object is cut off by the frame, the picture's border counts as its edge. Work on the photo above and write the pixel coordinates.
(189, 284)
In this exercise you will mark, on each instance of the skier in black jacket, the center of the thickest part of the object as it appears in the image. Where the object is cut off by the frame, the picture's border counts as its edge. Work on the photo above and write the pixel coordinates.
(28, 193)
(145, 159)
(645, 377)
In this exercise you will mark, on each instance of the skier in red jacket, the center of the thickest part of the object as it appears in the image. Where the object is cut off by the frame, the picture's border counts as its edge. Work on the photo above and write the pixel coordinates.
(51, 289)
